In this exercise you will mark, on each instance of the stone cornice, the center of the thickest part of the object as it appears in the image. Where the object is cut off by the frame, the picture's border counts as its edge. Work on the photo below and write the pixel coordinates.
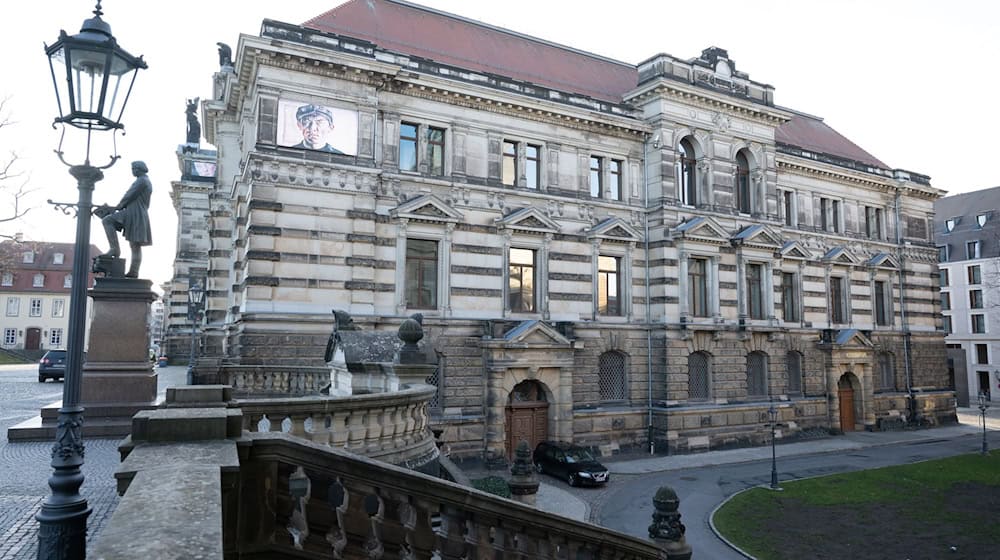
(691, 95)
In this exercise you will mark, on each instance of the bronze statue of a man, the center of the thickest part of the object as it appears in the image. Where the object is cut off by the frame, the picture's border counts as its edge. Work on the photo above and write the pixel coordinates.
(131, 217)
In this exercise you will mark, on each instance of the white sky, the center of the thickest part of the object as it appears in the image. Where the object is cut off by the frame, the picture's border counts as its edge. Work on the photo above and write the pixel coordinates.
(914, 82)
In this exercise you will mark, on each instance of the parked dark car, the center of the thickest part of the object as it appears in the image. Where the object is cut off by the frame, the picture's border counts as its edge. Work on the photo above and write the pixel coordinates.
(52, 365)
(569, 462)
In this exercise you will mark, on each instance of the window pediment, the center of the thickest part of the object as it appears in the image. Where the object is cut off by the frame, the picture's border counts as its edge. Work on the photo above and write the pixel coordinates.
(883, 260)
(794, 250)
(427, 208)
(853, 338)
(528, 219)
(840, 255)
(536, 332)
(701, 229)
(758, 236)
(614, 229)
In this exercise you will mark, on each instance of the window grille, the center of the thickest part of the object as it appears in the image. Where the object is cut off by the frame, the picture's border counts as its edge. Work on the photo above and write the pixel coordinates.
(757, 374)
(611, 376)
(435, 379)
(698, 376)
(793, 363)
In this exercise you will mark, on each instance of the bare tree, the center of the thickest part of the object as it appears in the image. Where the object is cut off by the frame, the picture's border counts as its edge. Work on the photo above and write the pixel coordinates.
(13, 184)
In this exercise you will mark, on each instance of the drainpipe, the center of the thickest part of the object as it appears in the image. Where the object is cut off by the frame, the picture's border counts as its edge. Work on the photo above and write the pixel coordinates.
(649, 307)
(902, 307)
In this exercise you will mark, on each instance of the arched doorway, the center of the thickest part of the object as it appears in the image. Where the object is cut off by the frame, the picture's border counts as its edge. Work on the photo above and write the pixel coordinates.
(32, 338)
(845, 395)
(527, 416)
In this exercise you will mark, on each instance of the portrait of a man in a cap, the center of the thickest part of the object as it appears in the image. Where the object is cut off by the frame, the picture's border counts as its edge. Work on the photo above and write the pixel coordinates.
(315, 123)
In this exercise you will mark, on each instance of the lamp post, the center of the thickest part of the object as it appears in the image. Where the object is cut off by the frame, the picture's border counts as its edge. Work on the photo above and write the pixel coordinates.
(983, 405)
(772, 411)
(86, 68)
(196, 294)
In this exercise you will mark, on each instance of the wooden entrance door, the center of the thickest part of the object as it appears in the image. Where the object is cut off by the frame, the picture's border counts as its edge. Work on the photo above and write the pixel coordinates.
(845, 392)
(527, 417)
(32, 339)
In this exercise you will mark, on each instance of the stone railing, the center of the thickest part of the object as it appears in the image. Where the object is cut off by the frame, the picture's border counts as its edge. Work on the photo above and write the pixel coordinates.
(270, 380)
(391, 427)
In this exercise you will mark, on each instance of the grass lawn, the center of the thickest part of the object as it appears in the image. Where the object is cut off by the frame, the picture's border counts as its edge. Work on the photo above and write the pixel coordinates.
(6, 359)
(905, 512)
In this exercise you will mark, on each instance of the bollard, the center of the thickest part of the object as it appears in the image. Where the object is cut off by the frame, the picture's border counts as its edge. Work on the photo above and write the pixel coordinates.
(667, 531)
(524, 481)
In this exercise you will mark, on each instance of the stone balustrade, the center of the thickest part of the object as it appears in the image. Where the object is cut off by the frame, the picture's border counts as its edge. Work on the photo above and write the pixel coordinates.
(391, 427)
(269, 380)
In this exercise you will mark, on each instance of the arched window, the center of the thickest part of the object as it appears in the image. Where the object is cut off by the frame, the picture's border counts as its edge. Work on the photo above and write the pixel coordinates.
(436, 378)
(699, 376)
(886, 372)
(742, 190)
(793, 364)
(756, 374)
(687, 172)
(611, 376)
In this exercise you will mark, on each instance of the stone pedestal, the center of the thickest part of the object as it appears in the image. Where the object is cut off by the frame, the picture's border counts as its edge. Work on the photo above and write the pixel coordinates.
(414, 373)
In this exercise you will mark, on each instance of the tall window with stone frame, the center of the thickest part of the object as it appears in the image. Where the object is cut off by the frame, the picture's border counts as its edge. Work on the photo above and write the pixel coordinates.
(435, 150)
(407, 146)
(611, 376)
(58, 307)
(742, 183)
(788, 201)
(793, 365)
(790, 297)
(698, 287)
(509, 165)
(686, 171)
(609, 287)
(835, 217)
(880, 295)
(521, 280)
(699, 376)
(13, 306)
(886, 372)
(757, 374)
(838, 301)
(975, 274)
(55, 337)
(755, 291)
(532, 165)
(824, 218)
(873, 222)
(35, 307)
(975, 299)
(421, 274)
(596, 176)
(615, 179)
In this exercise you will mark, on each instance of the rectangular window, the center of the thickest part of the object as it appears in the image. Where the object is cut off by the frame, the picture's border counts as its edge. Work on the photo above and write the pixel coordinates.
(58, 307)
(407, 147)
(57, 258)
(943, 253)
(421, 274)
(824, 208)
(28, 257)
(789, 207)
(509, 171)
(945, 301)
(698, 287)
(881, 296)
(13, 306)
(946, 325)
(55, 337)
(615, 188)
(945, 277)
(835, 207)
(9, 337)
(609, 285)
(789, 297)
(521, 280)
(38, 281)
(35, 308)
(532, 166)
(869, 222)
(878, 223)
(972, 250)
(975, 299)
(978, 323)
(596, 170)
(755, 290)
(837, 307)
(435, 149)
(975, 274)
(982, 354)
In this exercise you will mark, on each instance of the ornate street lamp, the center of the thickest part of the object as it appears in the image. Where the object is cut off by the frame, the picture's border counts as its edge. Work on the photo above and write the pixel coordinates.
(983, 405)
(772, 411)
(196, 294)
(93, 78)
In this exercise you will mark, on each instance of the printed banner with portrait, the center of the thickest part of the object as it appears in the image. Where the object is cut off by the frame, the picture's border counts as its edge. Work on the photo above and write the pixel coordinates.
(317, 127)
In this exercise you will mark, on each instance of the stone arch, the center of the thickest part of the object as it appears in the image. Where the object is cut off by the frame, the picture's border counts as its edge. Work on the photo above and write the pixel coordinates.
(759, 342)
(850, 401)
(527, 415)
(757, 374)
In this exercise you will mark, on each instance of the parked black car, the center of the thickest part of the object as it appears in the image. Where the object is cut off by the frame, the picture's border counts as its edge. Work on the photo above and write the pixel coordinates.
(569, 462)
(52, 365)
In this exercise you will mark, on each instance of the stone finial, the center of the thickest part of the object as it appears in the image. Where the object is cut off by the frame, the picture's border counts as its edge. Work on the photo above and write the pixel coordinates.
(524, 481)
(411, 332)
(667, 531)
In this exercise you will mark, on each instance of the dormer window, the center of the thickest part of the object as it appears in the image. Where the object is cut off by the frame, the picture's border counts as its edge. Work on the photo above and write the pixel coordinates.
(949, 225)
(38, 281)
(57, 258)
(981, 220)
(28, 257)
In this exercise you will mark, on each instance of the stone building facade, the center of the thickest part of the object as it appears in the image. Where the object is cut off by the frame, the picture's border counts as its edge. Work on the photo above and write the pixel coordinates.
(606, 253)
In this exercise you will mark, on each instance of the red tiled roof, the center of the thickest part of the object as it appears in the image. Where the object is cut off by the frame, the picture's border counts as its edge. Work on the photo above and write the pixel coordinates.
(11, 260)
(812, 134)
(450, 39)
(461, 42)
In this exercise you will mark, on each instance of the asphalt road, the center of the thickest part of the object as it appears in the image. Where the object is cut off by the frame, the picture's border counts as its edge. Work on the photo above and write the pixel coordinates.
(626, 505)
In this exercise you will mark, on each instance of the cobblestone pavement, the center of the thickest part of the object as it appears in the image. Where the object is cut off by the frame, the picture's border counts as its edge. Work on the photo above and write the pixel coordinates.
(24, 466)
